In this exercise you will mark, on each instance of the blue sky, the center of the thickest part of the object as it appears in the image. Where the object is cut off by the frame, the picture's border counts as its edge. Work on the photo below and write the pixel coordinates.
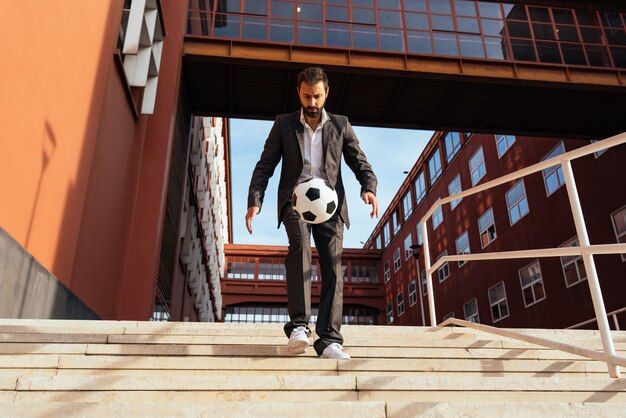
(390, 151)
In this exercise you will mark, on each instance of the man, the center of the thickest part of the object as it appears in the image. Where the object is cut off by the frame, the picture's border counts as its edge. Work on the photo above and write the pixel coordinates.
(310, 143)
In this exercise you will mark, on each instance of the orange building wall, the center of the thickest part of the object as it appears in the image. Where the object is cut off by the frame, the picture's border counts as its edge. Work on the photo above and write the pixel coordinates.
(55, 57)
(82, 183)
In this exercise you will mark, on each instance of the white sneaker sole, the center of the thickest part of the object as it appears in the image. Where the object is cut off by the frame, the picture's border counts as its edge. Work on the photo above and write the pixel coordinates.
(297, 346)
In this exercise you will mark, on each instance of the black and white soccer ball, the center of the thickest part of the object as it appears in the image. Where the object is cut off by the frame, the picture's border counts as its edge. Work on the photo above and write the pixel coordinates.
(315, 201)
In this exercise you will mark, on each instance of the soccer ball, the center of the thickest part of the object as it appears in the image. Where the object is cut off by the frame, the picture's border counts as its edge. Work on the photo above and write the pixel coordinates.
(315, 201)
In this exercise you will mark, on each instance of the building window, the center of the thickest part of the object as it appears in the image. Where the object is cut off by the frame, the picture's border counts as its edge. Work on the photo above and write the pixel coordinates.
(434, 166)
(437, 217)
(487, 228)
(532, 284)
(454, 188)
(516, 202)
(240, 268)
(444, 270)
(314, 273)
(573, 267)
(408, 241)
(497, 300)
(400, 302)
(470, 310)
(387, 272)
(379, 242)
(364, 272)
(424, 285)
(395, 221)
(477, 166)
(420, 239)
(407, 205)
(598, 153)
(619, 224)
(452, 145)
(386, 234)
(462, 246)
(553, 176)
(396, 260)
(503, 143)
(412, 292)
(420, 188)
(273, 269)
(389, 313)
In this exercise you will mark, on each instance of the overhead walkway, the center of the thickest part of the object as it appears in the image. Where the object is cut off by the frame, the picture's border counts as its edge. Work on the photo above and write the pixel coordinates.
(102, 369)
(495, 67)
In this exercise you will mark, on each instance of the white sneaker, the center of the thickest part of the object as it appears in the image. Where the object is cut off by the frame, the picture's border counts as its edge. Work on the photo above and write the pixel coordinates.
(335, 351)
(298, 341)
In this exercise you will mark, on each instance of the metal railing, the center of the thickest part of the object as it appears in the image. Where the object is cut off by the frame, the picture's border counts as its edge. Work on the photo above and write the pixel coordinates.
(585, 249)
(612, 314)
(544, 342)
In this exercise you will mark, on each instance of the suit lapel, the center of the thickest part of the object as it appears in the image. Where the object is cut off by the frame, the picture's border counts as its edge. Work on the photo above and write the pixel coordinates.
(299, 130)
(327, 136)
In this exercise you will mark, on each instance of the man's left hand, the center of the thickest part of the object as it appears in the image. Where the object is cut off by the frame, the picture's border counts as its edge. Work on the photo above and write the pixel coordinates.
(370, 199)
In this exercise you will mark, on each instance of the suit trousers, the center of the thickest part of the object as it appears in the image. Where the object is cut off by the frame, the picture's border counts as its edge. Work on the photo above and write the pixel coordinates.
(328, 237)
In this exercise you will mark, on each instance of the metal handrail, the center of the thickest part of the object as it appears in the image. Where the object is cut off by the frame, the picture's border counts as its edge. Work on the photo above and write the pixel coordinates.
(589, 321)
(544, 342)
(585, 249)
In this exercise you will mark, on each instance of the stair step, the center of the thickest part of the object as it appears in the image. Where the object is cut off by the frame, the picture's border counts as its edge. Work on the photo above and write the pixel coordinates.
(296, 363)
(311, 409)
(272, 351)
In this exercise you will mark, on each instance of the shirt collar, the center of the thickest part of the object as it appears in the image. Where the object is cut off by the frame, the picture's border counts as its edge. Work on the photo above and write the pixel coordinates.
(322, 122)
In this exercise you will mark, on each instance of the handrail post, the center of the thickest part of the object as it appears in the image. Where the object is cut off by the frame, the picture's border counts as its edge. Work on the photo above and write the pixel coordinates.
(590, 267)
(429, 276)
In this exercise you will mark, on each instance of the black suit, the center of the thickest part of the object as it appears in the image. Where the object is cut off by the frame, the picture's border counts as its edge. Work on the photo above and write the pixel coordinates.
(286, 142)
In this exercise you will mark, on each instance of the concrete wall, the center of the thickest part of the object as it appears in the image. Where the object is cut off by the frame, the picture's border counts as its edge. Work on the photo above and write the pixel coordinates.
(31, 291)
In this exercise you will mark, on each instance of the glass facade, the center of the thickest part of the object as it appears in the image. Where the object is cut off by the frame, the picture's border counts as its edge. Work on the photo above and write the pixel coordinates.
(265, 268)
(455, 28)
(252, 313)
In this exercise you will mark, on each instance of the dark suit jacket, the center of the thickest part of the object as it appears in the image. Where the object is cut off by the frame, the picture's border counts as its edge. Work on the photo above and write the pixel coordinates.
(286, 142)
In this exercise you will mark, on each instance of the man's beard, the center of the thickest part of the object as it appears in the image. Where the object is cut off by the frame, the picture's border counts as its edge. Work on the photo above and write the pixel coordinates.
(312, 111)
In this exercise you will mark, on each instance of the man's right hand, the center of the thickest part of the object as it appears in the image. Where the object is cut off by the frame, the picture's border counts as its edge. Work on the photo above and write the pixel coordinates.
(252, 211)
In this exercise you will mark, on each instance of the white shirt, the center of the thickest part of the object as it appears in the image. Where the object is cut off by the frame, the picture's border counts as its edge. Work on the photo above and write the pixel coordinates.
(313, 150)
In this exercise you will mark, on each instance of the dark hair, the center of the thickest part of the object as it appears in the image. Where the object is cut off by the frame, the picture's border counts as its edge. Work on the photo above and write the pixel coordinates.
(312, 76)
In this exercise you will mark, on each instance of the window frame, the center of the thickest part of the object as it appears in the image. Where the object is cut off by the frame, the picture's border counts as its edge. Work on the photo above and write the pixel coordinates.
(459, 189)
(420, 187)
(506, 140)
(445, 267)
(477, 168)
(531, 285)
(456, 245)
(407, 205)
(386, 271)
(617, 234)
(456, 145)
(498, 302)
(390, 317)
(480, 231)
(438, 169)
(437, 215)
(574, 261)
(553, 170)
(397, 260)
(408, 252)
(400, 303)
(517, 202)
(412, 294)
(477, 314)
(424, 283)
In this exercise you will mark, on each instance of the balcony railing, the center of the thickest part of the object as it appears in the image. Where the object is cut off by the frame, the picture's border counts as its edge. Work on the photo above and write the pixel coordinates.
(585, 250)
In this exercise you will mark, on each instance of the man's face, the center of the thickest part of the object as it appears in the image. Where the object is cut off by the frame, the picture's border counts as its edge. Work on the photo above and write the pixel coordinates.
(313, 98)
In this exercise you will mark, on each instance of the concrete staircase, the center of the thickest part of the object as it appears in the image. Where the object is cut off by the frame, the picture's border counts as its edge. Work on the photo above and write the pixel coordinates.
(123, 369)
